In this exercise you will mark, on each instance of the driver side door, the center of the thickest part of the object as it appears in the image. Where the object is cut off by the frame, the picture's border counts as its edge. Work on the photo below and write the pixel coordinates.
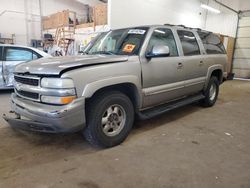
(163, 77)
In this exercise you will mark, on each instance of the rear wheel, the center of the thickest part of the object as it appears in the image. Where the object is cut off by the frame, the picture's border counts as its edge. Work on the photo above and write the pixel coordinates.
(211, 93)
(110, 118)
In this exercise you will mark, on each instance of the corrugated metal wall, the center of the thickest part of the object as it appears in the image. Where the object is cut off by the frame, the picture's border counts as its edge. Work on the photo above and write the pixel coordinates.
(241, 65)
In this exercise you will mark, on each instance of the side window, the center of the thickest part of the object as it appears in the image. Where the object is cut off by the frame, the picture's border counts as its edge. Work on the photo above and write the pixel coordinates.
(1, 53)
(212, 43)
(18, 54)
(189, 43)
(36, 56)
(163, 36)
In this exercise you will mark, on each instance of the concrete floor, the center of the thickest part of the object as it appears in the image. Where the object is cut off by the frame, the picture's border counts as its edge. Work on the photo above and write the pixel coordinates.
(191, 147)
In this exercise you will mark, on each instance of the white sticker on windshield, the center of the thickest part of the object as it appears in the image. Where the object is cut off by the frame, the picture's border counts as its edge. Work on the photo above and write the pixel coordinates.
(136, 31)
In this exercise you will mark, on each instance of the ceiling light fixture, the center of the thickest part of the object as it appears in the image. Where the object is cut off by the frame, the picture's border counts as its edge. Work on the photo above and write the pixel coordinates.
(210, 9)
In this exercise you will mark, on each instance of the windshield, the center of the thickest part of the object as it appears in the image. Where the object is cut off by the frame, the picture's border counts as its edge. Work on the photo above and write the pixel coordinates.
(118, 42)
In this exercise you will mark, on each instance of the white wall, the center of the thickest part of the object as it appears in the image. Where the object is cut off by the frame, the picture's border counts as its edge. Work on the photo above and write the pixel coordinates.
(13, 19)
(225, 22)
(22, 17)
(140, 12)
(143, 12)
(122, 13)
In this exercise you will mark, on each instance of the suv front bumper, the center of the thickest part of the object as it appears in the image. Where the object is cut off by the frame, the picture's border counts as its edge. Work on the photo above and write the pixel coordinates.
(41, 117)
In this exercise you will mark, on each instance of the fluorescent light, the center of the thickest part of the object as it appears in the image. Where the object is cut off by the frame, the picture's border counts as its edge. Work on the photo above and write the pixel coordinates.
(210, 8)
(159, 31)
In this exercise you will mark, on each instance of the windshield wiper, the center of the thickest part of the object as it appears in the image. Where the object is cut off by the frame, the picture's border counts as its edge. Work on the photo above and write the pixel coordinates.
(103, 52)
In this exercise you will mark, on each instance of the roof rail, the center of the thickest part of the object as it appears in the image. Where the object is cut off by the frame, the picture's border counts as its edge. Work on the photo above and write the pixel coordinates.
(181, 26)
(198, 29)
(169, 24)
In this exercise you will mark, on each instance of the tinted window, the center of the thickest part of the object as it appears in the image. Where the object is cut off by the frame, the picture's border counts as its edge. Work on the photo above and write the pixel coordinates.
(163, 37)
(189, 43)
(18, 54)
(212, 43)
(1, 52)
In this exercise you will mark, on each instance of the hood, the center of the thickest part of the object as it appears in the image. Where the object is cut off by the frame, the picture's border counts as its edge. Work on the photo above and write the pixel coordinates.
(57, 65)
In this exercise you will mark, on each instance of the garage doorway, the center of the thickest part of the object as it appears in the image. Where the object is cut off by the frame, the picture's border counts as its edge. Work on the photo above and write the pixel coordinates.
(241, 64)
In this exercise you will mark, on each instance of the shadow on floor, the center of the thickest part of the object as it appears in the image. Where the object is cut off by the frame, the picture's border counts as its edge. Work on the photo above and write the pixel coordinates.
(77, 142)
(21, 148)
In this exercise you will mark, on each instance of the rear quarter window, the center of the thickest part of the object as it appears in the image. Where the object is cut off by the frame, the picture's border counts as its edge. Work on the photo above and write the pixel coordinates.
(212, 43)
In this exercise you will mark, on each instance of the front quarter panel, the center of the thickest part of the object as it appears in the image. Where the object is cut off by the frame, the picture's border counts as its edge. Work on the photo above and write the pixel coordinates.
(90, 79)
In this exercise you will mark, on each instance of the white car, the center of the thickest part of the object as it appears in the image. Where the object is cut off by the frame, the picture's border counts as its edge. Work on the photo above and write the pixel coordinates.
(12, 55)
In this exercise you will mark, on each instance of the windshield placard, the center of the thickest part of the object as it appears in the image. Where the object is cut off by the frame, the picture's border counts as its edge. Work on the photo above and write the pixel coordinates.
(128, 48)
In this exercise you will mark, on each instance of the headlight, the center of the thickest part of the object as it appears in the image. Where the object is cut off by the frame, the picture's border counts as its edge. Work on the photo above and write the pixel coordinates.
(57, 100)
(57, 83)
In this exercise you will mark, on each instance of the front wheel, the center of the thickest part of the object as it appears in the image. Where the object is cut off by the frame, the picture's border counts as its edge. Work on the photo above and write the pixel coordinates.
(110, 118)
(211, 93)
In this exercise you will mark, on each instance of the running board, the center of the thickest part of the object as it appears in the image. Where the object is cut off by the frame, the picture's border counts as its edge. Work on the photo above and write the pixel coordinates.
(153, 112)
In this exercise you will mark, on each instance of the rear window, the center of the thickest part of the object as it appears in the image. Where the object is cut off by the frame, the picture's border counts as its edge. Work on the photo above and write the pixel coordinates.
(1, 53)
(212, 43)
(189, 43)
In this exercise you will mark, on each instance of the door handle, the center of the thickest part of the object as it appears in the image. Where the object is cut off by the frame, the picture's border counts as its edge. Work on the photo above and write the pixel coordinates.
(180, 65)
(201, 63)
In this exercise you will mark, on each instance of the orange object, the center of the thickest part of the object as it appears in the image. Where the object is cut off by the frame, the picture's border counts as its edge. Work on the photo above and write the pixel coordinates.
(128, 48)
(67, 100)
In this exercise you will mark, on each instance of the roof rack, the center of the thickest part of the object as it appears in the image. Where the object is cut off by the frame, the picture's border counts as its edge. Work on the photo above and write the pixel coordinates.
(169, 24)
(183, 26)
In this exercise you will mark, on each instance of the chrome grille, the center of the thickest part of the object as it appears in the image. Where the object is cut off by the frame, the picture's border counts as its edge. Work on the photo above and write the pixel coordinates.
(25, 85)
(29, 95)
(27, 80)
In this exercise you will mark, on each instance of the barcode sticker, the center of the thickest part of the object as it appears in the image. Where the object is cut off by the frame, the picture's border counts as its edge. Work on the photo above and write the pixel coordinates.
(136, 31)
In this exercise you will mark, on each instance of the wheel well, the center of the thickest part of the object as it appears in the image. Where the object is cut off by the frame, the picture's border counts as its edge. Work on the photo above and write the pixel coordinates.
(127, 88)
(217, 74)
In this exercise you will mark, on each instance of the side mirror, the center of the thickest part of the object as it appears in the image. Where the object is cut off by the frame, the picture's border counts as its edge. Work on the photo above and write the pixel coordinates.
(158, 51)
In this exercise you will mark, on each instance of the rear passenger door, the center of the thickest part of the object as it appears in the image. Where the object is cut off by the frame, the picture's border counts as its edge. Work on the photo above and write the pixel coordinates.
(12, 57)
(193, 61)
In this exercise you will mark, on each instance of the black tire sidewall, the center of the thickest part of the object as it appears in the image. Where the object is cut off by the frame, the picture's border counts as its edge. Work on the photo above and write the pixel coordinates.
(207, 101)
(99, 107)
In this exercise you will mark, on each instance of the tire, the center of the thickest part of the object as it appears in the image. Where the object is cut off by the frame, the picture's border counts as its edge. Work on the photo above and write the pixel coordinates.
(110, 117)
(211, 93)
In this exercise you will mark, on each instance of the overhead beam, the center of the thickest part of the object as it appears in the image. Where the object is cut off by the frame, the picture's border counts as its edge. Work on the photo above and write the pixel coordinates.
(91, 2)
(224, 5)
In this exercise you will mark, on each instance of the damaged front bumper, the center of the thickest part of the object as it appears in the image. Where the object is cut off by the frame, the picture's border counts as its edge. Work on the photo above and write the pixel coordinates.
(34, 116)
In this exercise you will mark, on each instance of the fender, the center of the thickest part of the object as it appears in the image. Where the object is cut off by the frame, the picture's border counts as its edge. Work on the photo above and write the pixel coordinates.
(93, 87)
(210, 71)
